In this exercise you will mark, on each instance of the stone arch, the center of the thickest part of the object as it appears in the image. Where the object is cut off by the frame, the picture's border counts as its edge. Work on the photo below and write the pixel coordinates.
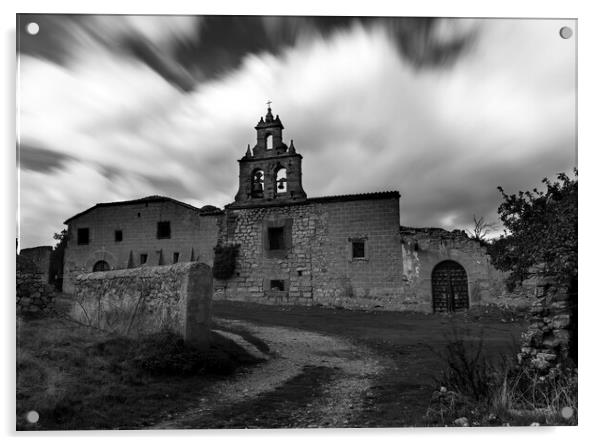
(257, 183)
(449, 283)
(281, 181)
(100, 255)
(101, 266)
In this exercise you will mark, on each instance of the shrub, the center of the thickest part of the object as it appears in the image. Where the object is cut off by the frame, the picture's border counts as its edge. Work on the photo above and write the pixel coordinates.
(224, 261)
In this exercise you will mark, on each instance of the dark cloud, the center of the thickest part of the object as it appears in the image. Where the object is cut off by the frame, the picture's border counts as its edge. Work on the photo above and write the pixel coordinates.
(40, 159)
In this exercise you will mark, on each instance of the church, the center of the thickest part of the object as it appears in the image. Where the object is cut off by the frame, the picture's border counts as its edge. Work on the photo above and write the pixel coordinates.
(287, 248)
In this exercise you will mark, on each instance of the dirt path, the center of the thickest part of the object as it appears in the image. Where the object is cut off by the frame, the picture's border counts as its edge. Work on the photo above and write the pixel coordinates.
(308, 380)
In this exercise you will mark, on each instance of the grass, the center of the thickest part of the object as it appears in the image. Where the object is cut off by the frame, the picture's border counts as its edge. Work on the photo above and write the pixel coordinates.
(79, 378)
(489, 391)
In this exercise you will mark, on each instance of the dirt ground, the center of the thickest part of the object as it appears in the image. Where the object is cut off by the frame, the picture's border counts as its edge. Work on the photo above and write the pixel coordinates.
(335, 368)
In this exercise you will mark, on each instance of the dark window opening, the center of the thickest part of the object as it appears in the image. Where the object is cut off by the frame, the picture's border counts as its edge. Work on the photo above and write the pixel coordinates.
(143, 258)
(83, 236)
(358, 249)
(163, 230)
(176, 257)
(138, 214)
(277, 285)
(118, 236)
(276, 238)
(99, 266)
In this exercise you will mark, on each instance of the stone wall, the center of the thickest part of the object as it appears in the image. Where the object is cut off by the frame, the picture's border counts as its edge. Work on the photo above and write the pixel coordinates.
(317, 266)
(424, 248)
(192, 238)
(143, 300)
(40, 256)
(551, 337)
(34, 295)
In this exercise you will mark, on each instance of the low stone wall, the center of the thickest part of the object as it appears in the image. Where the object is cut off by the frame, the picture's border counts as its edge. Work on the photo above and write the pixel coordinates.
(144, 300)
(34, 296)
(548, 340)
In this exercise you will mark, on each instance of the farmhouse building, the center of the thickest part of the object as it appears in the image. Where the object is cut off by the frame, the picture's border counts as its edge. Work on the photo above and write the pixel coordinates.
(346, 251)
(152, 231)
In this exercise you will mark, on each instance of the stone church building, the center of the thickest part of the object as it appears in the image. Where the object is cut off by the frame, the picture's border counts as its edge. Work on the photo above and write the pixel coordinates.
(344, 251)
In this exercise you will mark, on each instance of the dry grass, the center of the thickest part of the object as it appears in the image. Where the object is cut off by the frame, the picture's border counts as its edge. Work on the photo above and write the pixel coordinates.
(81, 378)
(497, 391)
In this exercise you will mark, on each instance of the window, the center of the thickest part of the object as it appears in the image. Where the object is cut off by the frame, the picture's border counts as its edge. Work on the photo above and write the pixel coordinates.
(358, 249)
(143, 258)
(277, 285)
(276, 238)
(83, 236)
(118, 236)
(100, 266)
(176, 257)
(269, 142)
(163, 230)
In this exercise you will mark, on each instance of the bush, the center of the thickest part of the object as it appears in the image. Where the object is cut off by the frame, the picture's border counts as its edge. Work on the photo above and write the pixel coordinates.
(224, 261)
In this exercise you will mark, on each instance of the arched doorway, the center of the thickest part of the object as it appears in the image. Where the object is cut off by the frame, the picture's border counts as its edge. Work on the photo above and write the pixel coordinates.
(100, 266)
(450, 287)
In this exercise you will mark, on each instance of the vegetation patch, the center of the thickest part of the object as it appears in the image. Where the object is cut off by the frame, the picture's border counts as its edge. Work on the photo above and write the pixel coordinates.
(80, 378)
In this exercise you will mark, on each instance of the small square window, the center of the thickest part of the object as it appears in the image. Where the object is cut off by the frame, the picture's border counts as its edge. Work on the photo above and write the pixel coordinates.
(143, 258)
(276, 238)
(118, 236)
(358, 249)
(176, 257)
(163, 230)
(83, 236)
(277, 285)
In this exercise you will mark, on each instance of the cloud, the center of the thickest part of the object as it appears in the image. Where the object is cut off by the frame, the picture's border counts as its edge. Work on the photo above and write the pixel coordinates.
(364, 118)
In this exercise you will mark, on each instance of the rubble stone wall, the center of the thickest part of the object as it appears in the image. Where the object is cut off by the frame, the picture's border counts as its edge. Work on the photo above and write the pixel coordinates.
(317, 266)
(34, 296)
(144, 300)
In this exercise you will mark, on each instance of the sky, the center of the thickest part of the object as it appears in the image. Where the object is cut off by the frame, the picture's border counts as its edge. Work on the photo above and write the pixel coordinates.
(114, 108)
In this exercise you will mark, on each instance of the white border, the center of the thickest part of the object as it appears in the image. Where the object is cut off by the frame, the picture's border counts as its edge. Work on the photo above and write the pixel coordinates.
(589, 137)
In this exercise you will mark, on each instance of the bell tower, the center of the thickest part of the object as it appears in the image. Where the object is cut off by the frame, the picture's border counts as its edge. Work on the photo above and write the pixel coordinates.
(270, 172)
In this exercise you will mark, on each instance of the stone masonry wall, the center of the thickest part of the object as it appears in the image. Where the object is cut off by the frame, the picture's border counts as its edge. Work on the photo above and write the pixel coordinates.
(424, 248)
(144, 300)
(34, 295)
(40, 256)
(318, 267)
(193, 237)
(548, 340)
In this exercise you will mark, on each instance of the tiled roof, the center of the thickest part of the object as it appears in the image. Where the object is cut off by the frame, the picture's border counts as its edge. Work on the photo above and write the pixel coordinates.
(206, 210)
(357, 197)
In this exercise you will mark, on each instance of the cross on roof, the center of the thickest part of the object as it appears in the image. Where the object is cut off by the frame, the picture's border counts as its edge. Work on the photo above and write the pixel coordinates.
(269, 103)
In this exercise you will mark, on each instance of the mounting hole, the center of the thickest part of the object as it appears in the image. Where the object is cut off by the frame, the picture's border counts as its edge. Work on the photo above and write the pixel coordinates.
(33, 28)
(32, 417)
(566, 32)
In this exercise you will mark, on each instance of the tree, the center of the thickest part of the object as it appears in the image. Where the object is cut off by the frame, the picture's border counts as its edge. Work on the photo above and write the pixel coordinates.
(57, 257)
(481, 229)
(541, 228)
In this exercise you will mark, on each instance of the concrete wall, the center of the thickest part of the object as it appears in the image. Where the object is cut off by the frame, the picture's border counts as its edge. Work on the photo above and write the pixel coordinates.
(193, 236)
(424, 248)
(317, 267)
(139, 301)
(40, 256)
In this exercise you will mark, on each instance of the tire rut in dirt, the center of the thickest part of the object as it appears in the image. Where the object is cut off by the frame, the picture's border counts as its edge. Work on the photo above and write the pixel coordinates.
(288, 406)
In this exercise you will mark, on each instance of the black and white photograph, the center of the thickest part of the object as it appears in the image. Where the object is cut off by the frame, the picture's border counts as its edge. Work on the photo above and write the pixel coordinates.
(295, 222)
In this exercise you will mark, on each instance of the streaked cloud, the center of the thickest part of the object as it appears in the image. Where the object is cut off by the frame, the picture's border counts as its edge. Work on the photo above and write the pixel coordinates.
(162, 106)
